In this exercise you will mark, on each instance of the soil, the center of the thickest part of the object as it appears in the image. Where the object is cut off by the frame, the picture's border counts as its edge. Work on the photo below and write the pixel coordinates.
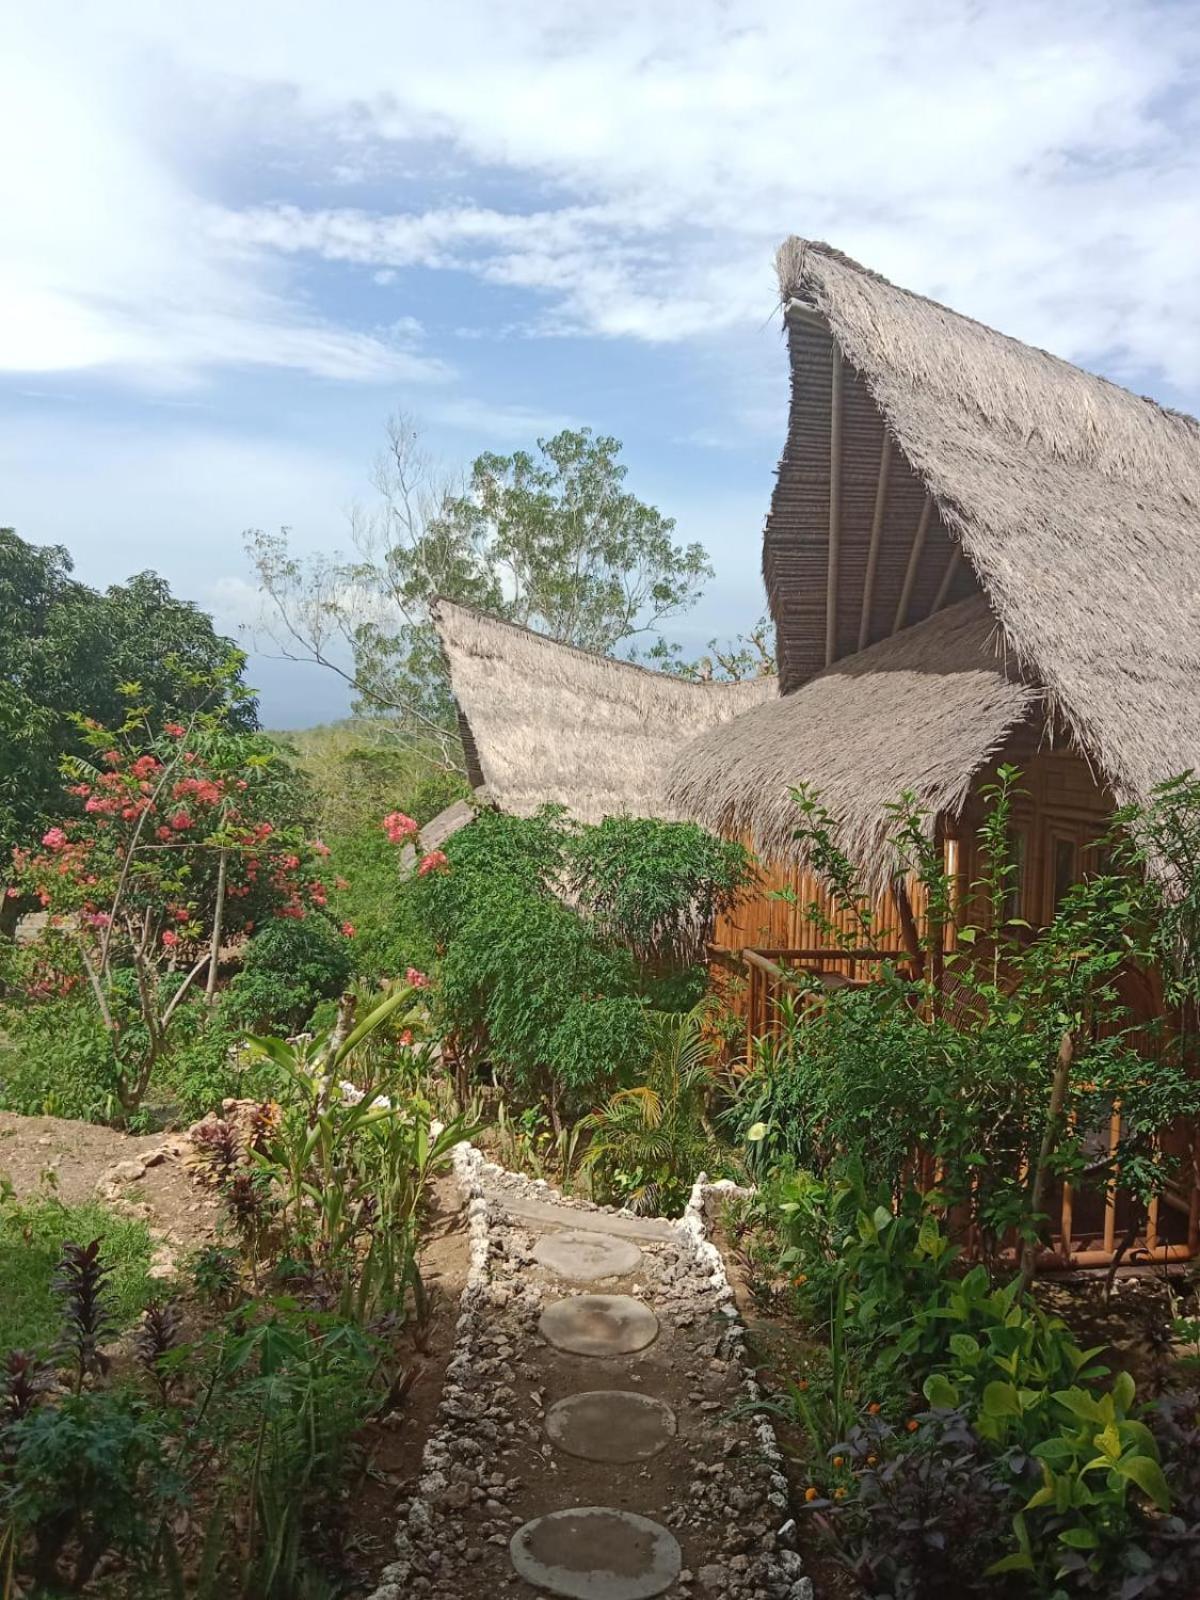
(79, 1161)
(393, 1447)
(776, 1347)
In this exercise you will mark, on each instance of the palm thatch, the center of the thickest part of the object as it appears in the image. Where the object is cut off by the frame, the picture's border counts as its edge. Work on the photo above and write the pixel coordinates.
(923, 712)
(1077, 505)
(553, 724)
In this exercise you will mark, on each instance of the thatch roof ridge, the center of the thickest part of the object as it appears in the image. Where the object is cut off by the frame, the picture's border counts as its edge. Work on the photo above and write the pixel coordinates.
(1077, 504)
(923, 711)
(553, 723)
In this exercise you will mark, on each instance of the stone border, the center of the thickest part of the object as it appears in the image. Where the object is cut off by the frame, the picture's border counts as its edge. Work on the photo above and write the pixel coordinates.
(694, 1236)
(785, 1569)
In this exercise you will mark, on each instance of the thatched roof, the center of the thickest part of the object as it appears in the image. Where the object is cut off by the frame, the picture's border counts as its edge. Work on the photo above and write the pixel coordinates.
(550, 723)
(922, 712)
(1077, 505)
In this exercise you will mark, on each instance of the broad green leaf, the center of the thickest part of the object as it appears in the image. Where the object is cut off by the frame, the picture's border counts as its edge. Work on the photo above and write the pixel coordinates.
(1001, 1400)
(939, 1391)
(1079, 1539)
(1148, 1476)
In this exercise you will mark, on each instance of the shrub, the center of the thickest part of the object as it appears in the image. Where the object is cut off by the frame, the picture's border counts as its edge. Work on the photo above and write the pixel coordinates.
(289, 968)
(656, 887)
(57, 1060)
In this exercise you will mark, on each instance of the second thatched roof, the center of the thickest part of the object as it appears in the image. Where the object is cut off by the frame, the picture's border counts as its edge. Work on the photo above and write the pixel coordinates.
(547, 723)
(923, 711)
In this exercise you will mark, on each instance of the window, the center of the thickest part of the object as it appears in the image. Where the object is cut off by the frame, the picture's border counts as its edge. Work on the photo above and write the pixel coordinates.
(1066, 874)
(1014, 898)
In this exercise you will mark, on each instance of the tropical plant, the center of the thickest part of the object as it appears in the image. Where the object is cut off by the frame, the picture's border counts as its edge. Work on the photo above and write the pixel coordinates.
(647, 1143)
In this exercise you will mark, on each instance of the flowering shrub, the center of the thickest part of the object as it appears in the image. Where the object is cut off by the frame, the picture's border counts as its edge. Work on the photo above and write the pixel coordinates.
(174, 841)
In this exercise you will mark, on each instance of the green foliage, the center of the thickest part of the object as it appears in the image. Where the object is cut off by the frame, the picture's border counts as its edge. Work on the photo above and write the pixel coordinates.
(288, 968)
(649, 1140)
(68, 650)
(57, 1060)
(551, 539)
(655, 886)
(32, 1236)
(86, 1477)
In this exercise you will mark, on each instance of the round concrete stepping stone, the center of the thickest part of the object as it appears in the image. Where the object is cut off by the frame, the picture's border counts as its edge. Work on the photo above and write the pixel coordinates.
(586, 1256)
(611, 1425)
(596, 1553)
(599, 1325)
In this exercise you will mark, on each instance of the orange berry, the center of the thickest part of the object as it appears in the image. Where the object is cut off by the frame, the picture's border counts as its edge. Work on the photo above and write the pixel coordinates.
(839, 1494)
(802, 1385)
(811, 1494)
(839, 1461)
(800, 1280)
(912, 1424)
(874, 1409)
(872, 1461)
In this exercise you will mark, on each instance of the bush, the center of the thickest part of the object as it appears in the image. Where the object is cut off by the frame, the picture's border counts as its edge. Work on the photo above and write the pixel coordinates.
(656, 887)
(290, 966)
(57, 1060)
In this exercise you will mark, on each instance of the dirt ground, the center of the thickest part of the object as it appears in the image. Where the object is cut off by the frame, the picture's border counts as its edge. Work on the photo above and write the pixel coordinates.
(145, 1175)
(79, 1161)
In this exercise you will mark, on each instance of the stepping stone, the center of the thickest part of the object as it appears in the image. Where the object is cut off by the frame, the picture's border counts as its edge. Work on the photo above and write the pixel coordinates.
(599, 1325)
(596, 1553)
(611, 1425)
(586, 1256)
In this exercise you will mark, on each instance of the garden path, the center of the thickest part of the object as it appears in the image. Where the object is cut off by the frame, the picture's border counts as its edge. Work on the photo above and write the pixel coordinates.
(591, 1444)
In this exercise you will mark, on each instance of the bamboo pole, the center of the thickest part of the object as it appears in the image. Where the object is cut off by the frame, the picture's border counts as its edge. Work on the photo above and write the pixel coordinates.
(881, 489)
(914, 561)
(952, 566)
(835, 508)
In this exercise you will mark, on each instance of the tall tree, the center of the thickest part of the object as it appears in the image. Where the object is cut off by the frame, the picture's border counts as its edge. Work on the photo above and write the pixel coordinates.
(550, 538)
(68, 649)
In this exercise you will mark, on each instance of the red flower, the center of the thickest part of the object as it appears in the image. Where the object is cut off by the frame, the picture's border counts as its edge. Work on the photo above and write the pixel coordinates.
(111, 758)
(170, 938)
(144, 766)
(348, 929)
(398, 827)
(180, 821)
(433, 862)
(54, 839)
(321, 848)
(417, 979)
(162, 833)
(175, 729)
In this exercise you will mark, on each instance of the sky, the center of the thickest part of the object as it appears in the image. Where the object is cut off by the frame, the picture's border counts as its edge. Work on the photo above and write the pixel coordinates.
(235, 237)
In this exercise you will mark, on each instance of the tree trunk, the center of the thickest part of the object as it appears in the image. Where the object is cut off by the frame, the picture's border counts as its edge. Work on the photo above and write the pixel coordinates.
(214, 962)
(1041, 1172)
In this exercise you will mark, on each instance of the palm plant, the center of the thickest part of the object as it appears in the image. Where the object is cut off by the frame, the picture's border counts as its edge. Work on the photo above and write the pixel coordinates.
(648, 1142)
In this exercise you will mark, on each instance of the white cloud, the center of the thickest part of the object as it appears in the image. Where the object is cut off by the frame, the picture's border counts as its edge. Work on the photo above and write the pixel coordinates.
(1034, 164)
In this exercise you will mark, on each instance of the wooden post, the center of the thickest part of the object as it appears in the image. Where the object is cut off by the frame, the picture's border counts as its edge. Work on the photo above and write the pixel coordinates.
(835, 507)
(914, 561)
(952, 566)
(908, 926)
(881, 489)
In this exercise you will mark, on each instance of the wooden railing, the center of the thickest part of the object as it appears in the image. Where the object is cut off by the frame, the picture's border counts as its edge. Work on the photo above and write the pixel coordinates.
(1091, 1225)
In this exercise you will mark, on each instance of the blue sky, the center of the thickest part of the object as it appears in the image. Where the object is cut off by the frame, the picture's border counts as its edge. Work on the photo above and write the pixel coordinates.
(234, 238)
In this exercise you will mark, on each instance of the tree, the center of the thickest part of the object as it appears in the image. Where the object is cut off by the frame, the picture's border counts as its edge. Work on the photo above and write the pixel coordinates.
(172, 839)
(550, 539)
(68, 650)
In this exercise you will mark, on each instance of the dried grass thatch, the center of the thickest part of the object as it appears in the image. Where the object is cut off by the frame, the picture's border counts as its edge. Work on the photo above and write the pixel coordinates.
(1077, 504)
(922, 712)
(552, 724)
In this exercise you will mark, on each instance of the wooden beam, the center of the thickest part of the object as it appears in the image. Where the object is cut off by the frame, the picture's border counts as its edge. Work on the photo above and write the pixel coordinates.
(948, 576)
(914, 561)
(835, 507)
(881, 489)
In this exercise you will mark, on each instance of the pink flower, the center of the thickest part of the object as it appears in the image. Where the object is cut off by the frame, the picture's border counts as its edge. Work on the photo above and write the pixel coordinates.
(180, 821)
(54, 839)
(348, 929)
(433, 862)
(341, 883)
(398, 827)
(417, 979)
(406, 1038)
(111, 758)
(175, 729)
(321, 848)
(11, 893)
(170, 938)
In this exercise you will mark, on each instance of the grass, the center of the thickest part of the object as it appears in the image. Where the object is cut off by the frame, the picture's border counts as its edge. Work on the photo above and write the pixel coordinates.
(32, 1234)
